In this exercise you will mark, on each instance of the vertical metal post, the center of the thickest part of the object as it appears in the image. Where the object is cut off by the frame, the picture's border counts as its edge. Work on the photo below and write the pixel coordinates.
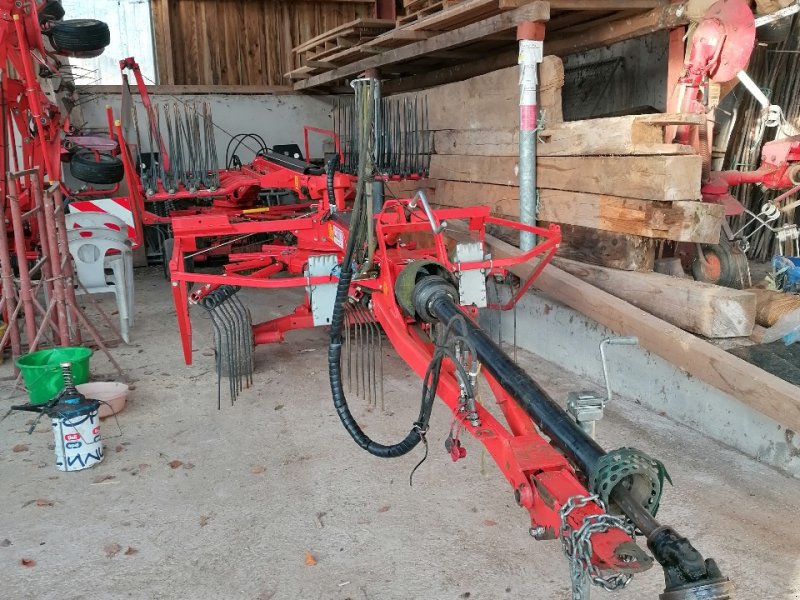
(530, 36)
(377, 130)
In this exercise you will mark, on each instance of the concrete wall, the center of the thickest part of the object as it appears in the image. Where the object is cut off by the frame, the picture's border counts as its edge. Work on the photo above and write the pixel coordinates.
(279, 119)
(566, 337)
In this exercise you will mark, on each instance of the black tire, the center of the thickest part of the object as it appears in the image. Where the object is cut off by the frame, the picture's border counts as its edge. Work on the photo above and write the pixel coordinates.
(100, 169)
(83, 37)
(718, 268)
(51, 11)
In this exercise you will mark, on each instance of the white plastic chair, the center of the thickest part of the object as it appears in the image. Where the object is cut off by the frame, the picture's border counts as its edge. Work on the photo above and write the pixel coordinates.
(95, 250)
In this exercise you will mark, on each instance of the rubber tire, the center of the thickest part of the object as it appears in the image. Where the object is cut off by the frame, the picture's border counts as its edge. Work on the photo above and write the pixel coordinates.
(85, 166)
(51, 11)
(80, 35)
(727, 271)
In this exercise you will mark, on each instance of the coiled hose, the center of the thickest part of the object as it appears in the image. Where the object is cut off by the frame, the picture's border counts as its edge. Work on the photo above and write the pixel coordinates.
(330, 173)
(356, 240)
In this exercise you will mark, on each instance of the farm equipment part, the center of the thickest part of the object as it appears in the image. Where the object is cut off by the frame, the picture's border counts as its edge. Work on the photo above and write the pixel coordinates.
(417, 275)
(36, 94)
(180, 177)
(721, 47)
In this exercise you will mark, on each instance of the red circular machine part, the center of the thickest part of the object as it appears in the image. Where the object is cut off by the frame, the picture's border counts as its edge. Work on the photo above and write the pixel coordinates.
(738, 23)
(712, 267)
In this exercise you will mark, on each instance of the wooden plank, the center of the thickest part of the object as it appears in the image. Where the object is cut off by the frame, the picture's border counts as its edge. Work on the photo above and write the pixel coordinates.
(605, 248)
(616, 31)
(663, 178)
(491, 100)
(708, 310)
(681, 221)
(349, 26)
(616, 136)
(536, 11)
(162, 26)
(465, 12)
(761, 391)
(194, 90)
(605, 4)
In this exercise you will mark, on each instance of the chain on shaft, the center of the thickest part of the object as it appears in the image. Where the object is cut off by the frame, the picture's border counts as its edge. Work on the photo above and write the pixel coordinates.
(577, 545)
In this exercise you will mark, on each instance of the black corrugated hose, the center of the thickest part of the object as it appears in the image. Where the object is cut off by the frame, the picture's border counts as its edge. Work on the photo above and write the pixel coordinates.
(356, 240)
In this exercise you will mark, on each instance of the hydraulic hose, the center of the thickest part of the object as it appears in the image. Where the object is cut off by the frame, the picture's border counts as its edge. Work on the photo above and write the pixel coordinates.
(357, 237)
(329, 176)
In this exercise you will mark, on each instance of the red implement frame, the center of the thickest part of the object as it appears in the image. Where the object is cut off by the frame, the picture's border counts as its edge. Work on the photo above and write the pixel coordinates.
(541, 477)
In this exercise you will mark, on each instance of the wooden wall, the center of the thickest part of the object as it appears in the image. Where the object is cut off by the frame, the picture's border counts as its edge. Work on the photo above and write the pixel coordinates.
(240, 42)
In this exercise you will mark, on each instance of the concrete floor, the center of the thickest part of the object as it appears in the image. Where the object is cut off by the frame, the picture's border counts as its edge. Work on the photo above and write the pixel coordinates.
(276, 476)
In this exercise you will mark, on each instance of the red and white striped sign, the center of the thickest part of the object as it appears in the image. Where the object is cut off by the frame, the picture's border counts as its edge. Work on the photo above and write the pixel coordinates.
(119, 207)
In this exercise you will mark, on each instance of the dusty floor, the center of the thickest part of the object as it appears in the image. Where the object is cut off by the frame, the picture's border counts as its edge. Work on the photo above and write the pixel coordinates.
(276, 476)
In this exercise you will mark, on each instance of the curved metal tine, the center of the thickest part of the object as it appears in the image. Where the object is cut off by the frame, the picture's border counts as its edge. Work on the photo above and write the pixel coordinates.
(373, 345)
(247, 336)
(380, 364)
(365, 350)
(217, 353)
(229, 344)
(348, 325)
(370, 356)
(234, 346)
(212, 143)
(359, 343)
(365, 356)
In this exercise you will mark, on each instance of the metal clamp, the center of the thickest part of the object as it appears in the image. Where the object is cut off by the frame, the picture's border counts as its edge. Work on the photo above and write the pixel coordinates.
(420, 195)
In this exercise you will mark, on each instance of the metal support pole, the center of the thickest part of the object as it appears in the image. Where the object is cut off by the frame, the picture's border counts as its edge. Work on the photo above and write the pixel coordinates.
(530, 36)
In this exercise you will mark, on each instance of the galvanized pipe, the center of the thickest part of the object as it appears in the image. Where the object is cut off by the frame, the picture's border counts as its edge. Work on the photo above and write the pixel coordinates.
(530, 55)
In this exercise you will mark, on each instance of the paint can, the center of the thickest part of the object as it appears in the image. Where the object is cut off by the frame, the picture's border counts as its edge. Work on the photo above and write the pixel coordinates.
(76, 428)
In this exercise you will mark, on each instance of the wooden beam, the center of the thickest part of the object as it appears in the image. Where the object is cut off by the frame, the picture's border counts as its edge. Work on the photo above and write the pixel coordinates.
(606, 34)
(162, 26)
(606, 248)
(664, 178)
(459, 72)
(615, 136)
(681, 221)
(194, 90)
(708, 310)
(605, 4)
(536, 11)
(761, 391)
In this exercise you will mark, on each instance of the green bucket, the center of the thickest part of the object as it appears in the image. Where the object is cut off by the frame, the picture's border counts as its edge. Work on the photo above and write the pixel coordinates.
(42, 373)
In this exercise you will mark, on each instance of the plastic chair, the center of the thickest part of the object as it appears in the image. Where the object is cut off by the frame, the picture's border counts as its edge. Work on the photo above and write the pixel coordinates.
(112, 227)
(91, 252)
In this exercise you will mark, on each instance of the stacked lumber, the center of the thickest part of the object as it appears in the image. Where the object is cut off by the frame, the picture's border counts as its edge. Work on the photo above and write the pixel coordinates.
(367, 37)
(615, 187)
(415, 10)
(325, 50)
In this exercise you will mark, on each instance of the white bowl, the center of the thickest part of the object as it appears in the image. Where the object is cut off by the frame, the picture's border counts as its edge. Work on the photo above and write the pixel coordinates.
(112, 393)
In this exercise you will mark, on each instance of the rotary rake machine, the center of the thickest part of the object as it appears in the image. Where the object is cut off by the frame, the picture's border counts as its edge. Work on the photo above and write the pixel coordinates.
(180, 178)
(721, 47)
(373, 267)
(37, 93)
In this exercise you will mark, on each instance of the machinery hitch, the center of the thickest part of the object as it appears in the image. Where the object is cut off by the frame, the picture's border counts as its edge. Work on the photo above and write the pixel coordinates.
(687, 575)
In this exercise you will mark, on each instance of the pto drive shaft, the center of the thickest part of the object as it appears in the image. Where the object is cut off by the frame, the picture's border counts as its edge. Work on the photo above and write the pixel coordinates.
(687, 575)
